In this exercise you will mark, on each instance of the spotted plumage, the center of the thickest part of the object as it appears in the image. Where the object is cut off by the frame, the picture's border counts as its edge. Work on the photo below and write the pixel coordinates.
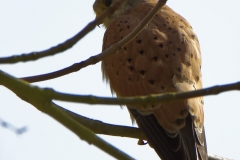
(164, 57)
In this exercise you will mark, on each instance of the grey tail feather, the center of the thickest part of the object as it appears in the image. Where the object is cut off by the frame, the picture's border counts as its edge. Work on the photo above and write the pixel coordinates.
(186, 145)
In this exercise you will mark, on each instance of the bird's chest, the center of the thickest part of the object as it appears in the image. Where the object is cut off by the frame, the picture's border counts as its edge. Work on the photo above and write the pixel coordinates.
(142, 67)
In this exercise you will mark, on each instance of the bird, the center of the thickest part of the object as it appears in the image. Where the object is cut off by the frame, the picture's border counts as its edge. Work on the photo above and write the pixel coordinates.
(164, 57)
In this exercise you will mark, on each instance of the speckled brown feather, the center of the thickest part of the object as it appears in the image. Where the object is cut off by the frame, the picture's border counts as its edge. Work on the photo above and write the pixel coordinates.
(164, 57)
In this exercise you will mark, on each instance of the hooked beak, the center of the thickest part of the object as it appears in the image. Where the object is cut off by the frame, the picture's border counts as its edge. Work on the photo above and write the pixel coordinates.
(97, 14)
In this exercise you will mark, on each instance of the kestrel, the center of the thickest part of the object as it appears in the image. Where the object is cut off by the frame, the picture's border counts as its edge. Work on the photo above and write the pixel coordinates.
(164, 57)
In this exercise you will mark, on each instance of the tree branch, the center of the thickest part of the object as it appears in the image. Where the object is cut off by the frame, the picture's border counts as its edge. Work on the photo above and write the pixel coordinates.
(62, 46)
(30, 93)
(116, 130)
(12, 127)
(95, 59)
(38, 99)
(151, 99)
(100, 127)
(41, 99)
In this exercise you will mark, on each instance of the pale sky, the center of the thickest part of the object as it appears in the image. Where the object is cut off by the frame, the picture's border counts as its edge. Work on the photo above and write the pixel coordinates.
(37, 25)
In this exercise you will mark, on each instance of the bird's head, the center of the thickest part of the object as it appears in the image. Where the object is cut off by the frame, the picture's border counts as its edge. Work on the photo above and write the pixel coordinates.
(100, 6)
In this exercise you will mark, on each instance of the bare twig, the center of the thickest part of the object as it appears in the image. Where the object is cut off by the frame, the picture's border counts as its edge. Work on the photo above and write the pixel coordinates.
(95, 59)
(13, 128)
(62, 46)
(151, 99)
(112, 130)
(100, 127)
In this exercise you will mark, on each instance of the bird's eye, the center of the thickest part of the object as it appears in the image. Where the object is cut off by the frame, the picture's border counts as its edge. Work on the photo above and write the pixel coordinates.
(107, 2)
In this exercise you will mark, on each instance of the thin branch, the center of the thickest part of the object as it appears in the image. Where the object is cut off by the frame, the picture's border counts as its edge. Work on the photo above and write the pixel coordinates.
(115, 130)
(38, 99)
(100, 127)
(62, 46)
(151, 99)
(12, 127)
(95, 59)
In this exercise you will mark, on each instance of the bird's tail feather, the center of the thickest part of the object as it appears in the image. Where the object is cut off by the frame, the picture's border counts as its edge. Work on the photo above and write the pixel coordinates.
(184, 146)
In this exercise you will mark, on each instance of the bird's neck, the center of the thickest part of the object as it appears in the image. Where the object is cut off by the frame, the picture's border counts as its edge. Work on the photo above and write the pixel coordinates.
(124, 8)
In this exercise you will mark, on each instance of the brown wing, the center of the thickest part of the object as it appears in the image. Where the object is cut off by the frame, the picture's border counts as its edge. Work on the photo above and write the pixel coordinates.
(164, 57)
